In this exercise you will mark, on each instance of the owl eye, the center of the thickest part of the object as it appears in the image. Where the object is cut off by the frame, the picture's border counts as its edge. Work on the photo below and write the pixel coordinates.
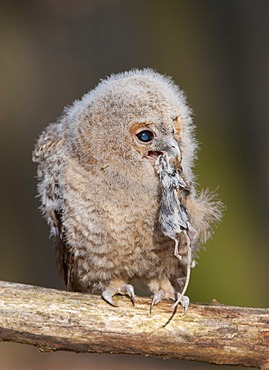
(145, 136)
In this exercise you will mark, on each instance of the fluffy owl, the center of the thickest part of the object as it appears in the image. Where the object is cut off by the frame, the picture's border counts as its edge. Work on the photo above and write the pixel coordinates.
(101, 193)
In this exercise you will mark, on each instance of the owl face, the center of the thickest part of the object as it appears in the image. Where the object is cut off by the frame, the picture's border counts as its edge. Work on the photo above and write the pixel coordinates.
(151, 141)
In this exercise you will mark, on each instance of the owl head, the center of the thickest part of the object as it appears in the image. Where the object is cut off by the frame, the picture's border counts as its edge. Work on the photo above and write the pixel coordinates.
(129, 119)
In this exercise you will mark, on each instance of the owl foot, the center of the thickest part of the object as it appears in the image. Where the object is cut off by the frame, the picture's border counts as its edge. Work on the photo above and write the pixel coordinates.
(177, 297)
(126, 289)
(160, 295)
(157, 297)
(183, 300)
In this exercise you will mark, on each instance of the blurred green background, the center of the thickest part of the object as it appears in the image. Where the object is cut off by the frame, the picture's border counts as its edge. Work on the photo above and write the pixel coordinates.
(53, 51)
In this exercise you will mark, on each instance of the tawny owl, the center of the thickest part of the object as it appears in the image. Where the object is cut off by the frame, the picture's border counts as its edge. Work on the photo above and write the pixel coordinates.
(103, 169)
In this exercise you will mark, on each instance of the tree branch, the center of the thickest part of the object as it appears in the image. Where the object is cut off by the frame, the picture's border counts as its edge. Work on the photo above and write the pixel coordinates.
(57, 320)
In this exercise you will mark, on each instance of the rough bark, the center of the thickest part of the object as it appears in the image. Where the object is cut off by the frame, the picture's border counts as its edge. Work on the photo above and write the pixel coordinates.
(57, 320)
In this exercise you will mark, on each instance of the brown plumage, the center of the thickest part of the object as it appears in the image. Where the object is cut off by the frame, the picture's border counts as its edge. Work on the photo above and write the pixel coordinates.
(100, 190)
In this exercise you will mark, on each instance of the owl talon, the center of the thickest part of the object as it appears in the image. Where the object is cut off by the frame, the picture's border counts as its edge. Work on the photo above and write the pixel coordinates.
(183, 300)
(157, 298)
(128, 290)
(107, 296)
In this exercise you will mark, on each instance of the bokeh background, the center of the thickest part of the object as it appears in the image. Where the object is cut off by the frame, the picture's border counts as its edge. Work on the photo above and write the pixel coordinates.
(53, 51)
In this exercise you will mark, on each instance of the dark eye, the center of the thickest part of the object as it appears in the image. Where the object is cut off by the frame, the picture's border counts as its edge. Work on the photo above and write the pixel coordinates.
(145, 136)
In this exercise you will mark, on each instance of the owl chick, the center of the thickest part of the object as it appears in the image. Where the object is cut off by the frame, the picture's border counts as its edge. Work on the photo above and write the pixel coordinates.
(101, 194)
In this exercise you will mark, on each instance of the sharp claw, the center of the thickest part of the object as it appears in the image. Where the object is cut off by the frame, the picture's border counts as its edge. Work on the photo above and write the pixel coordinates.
(132, 296)
(184, 301)
(157, 297)
(107, 296)
(128, 289)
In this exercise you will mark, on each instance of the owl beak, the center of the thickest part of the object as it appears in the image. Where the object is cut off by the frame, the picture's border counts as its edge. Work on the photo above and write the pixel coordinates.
(172, 148)
(169, 146)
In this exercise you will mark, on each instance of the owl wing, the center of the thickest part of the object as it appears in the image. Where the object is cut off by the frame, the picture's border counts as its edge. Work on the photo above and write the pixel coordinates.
(49, 153)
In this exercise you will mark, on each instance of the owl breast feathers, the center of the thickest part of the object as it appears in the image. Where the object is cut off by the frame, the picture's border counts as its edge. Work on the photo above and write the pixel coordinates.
(100, 192)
